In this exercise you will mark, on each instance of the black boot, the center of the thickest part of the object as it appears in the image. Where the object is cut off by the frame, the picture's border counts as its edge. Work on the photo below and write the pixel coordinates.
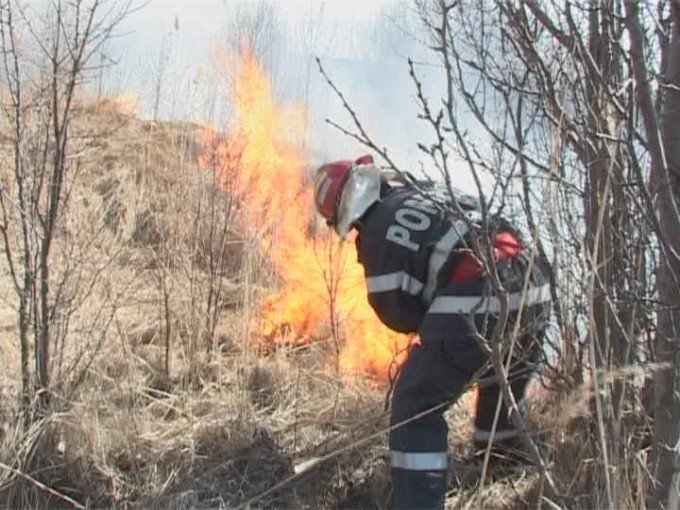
(415, 490)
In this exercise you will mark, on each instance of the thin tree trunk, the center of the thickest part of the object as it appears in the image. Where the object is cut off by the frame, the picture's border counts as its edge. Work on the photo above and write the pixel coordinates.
(603, 164)
(666, 455)
(167, 312)
(25, 353)
(44, 333)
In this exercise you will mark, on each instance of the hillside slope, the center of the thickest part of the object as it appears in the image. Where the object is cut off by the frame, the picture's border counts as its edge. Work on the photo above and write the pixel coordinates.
(164, 399)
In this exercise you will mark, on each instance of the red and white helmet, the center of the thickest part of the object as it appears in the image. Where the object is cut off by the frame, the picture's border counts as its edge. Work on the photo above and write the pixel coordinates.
(328, 184)
(344, 190)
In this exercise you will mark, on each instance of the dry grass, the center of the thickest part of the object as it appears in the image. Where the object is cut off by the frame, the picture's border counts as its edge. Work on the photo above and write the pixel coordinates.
(214, 430)
(207, 430)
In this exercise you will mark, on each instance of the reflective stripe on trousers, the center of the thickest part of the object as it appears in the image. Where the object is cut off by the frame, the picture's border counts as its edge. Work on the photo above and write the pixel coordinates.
(419, 461)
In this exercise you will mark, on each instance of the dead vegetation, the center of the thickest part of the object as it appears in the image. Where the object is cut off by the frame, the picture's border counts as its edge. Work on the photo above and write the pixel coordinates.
(150, 390)
(217, 423)
(213, 424)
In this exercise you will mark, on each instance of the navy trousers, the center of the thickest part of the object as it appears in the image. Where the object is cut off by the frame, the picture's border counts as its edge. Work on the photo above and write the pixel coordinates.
(438, 370)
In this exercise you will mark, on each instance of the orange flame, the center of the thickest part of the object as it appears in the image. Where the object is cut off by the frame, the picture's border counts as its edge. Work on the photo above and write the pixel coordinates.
(323, 292)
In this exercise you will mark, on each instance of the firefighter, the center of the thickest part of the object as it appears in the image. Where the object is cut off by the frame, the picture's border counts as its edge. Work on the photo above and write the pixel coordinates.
(422, 277)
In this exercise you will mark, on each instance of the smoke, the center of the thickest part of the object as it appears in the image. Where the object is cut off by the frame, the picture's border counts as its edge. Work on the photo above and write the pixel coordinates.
(364, 46)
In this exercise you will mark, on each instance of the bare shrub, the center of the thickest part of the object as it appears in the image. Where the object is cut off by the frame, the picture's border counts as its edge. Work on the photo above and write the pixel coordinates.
(545, 117)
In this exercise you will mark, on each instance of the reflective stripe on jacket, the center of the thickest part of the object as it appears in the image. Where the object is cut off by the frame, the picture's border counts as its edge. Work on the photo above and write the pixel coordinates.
(409, 250)
(404, 242)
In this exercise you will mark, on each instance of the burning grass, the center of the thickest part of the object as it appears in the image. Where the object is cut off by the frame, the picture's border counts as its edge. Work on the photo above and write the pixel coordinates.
(175, 410)
(219, 423)
(210, 244)
(262, 162)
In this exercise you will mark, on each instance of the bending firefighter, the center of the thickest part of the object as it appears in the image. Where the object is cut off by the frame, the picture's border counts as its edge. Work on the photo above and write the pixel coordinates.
(422, 277)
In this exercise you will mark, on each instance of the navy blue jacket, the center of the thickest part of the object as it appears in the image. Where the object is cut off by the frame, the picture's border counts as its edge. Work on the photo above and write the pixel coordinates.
(409, 249)
(405, 244)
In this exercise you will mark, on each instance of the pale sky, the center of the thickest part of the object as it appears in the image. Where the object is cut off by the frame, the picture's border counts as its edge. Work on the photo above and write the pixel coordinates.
(201, 20)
